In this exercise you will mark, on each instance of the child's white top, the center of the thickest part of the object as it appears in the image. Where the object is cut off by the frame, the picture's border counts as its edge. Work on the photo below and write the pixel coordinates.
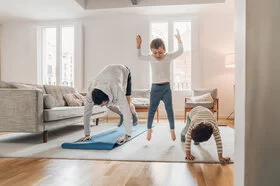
(161, 69)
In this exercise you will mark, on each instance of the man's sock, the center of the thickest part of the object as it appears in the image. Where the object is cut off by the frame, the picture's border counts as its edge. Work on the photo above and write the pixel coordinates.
(121, 121)
(196, 143)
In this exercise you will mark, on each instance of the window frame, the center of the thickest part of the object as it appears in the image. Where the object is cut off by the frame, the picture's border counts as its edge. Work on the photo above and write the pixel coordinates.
(78, 51)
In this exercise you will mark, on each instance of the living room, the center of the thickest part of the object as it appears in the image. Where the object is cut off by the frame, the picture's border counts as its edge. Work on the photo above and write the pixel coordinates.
(107, 36)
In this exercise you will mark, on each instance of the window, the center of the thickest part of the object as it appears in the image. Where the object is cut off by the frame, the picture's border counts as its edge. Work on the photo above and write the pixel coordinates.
(181, 66)
(57, 55)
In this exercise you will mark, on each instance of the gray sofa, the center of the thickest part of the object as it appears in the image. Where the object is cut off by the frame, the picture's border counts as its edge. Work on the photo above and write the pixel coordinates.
(28, 108)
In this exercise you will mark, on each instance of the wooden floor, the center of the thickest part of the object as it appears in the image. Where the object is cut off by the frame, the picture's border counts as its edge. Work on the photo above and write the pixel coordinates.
(28, 171)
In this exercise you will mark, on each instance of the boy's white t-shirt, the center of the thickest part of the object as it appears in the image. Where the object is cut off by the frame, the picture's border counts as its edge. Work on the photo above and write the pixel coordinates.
(161, 69)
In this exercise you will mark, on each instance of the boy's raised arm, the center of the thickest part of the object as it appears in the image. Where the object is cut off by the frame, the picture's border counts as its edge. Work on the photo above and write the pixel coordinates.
(180, 50)
(139, 53)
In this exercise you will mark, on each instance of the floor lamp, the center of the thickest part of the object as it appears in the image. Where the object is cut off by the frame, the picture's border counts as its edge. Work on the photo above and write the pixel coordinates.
(230, 63)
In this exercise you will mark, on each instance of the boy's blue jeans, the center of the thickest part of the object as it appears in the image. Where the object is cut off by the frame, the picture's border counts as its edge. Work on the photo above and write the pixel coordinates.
(161, 92)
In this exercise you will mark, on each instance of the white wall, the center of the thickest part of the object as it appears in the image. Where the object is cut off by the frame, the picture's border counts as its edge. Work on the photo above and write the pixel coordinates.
(217, 40)
(260, 93)
(0, 48)
(18, 45)
(240, 86)
(111, 39)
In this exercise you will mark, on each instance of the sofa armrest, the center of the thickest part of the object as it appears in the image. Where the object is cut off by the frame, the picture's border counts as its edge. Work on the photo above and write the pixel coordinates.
(21, 110)
(186, 99)
(216, 104)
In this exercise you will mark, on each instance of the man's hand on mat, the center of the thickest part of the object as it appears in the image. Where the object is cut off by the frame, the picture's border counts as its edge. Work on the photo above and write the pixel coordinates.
(87, 137)
(122, 140)
(224, 160)
(189, 156)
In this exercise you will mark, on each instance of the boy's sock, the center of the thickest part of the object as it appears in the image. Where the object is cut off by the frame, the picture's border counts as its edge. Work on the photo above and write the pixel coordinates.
(121, 121)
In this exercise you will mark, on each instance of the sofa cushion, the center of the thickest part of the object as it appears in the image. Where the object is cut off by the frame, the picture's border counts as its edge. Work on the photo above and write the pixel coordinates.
(58, 92)
(203, 98)
(59, 113)
(49, 101)
(140, 102)
(74, 99)
(203, 104)
(199, 92)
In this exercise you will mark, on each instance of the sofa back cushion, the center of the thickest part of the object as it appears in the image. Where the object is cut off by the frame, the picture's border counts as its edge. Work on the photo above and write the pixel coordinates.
(57, 92)
(49, 101)
(199, 92)
(74, 99)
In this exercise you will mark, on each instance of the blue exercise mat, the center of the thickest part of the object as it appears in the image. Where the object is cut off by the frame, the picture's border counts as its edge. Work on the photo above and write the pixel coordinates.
(106, 140)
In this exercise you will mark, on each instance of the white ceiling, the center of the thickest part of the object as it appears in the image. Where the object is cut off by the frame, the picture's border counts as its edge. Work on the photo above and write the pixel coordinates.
(69, 9)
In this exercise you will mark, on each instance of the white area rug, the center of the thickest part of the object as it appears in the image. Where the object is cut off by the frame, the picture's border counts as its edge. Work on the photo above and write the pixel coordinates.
(160, 149)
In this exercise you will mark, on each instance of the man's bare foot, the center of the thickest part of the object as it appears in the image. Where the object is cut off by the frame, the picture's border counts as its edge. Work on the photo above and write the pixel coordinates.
(149, 134)
(173, 135)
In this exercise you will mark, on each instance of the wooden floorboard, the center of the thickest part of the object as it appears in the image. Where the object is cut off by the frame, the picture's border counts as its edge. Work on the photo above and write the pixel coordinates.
(30, 171)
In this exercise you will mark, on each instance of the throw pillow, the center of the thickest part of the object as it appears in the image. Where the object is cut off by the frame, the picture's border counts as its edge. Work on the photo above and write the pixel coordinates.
(80, 97)
(203, 98)
(74, 99)
(49, 101)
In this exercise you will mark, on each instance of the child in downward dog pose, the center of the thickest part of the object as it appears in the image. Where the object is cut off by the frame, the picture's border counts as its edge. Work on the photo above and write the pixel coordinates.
(201, 124)
(160, 65)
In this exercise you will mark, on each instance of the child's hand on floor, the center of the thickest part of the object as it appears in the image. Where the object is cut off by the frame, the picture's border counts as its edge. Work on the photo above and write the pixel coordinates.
(224, 160)
(189, 156)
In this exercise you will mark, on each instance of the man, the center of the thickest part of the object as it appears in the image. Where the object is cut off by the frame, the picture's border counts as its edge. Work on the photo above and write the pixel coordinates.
(111, 87)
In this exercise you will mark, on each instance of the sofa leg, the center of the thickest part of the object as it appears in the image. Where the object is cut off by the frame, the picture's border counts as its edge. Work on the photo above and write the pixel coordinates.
(45, 136)
(96, 121)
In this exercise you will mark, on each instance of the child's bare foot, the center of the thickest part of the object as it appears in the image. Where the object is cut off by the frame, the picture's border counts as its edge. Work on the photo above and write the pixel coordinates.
(173, 135)
(149, 134)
